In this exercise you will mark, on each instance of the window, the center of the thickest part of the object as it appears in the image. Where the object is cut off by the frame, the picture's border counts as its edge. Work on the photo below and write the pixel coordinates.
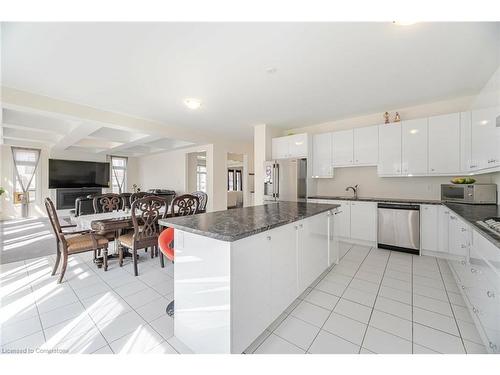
(234, 182)
(25, 167)
(118, 174)
(201, 178)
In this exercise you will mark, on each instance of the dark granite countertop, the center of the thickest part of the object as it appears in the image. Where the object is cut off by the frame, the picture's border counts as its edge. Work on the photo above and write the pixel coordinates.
(472, 213)
(235, 224)
(373, 199)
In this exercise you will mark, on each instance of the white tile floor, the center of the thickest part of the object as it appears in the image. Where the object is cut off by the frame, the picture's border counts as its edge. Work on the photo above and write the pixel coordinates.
(92, 311)
(376, 301)
(373, 301)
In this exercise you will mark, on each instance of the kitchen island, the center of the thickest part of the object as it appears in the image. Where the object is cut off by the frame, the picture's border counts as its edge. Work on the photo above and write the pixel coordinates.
(236, 271)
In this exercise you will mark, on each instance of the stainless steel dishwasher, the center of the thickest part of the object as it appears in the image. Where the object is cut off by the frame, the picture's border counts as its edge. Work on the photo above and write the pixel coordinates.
(399, 227)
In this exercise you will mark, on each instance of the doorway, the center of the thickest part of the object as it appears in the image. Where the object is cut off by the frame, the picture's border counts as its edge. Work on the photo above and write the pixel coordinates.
(196, 172)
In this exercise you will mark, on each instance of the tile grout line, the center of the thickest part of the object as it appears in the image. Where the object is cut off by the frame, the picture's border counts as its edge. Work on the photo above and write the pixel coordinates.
(374, 302)
(331, 312)
(36, 306)
(289, 313)
(451, 308)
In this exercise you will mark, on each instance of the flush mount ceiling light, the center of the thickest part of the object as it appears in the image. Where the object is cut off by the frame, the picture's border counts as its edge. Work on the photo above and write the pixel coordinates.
(271, 70)
(413, 131)
(192, 103)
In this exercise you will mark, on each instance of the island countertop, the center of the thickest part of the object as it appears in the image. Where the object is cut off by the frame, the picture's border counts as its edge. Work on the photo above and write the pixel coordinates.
(235, 224)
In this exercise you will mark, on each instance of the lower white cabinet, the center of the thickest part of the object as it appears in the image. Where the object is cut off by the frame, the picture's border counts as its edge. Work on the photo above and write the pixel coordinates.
(429, 233)
(364, 221)
(458, 236)
(443, 229)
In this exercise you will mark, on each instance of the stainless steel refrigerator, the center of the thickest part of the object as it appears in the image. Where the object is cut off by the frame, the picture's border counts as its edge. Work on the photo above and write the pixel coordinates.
(285, 180)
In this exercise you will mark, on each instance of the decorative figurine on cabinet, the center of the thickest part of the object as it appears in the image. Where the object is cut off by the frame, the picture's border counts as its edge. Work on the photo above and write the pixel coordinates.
(397, 118)
(386, 118)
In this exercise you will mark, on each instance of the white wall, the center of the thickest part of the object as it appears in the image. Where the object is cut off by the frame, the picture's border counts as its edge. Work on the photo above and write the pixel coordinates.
(370, 185)
(37, 208)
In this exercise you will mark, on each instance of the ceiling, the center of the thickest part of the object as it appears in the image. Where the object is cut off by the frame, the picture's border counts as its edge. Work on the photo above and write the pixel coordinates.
(21, 128)
(283, 74)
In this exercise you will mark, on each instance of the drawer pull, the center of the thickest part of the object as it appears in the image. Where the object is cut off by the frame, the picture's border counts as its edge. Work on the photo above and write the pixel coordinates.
(462, 262)
(301, 225)
(473, 270)
(463, 246)
(490, 294)
(463, 287)
(269, 238)
(493, 346)
(476, 311)
(463, 230)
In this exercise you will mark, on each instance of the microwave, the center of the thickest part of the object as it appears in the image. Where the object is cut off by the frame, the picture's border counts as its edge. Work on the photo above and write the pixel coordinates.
(470, 194)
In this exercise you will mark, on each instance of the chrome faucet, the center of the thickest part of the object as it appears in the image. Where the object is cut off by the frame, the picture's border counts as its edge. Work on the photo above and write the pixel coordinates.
(354, 190)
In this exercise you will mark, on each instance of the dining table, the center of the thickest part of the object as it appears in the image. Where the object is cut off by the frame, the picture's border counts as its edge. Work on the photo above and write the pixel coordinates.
(105, 222)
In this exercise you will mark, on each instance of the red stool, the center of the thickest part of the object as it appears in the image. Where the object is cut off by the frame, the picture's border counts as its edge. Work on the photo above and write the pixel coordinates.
(165, 243)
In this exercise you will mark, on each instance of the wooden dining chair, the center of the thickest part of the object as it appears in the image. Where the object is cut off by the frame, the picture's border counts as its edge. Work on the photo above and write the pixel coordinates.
(138, 195)
(107, 203)
(69, 243)
(203, 198)
(184, 205)
(145, 214)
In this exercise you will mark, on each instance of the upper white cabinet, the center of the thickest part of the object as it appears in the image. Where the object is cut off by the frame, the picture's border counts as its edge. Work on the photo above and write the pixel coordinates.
(389, 150)
(291, 146)
(429, 232)
(322, 155)
(444, 144)
(366, 145)
(466, 164)
(414, 142)
(343, 148)
(485, 138)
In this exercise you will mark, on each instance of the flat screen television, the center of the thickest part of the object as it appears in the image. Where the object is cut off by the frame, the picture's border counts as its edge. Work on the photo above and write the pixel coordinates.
(77, 174)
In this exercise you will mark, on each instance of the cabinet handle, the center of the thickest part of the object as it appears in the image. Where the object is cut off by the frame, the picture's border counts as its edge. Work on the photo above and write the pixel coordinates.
(301, 226)
(476, 311)
(473, 270)
(463, 229)
(463, 287)
(432, 169)
(462, 262)
(463, 246)
(338, 212)
(493, 346)
(269, 238)
(490, 294)
(447, 212)
(296, 227)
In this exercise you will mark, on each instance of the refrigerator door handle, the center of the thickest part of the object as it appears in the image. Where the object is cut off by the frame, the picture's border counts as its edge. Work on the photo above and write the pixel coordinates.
(277, 180)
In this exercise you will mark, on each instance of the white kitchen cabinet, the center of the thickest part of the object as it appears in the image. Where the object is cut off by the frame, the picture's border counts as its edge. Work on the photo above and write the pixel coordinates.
(322, 155)
(484, 147)
(389, 150)
(429, 232)
(466, 164)
(364, 221)
(443, 229)
(291, 146)
(459, 236)
(444, 144)
(414, 146)
(366, 145)
(280, 148)
(342, 220)
(283, 242)
(312, 242)
(343, 148)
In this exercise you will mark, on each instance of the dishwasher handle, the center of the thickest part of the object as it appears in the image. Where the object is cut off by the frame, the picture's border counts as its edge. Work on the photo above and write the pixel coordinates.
(414, 207)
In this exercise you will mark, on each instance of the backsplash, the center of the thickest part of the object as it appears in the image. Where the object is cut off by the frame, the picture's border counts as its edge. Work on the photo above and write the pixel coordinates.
(370, 185)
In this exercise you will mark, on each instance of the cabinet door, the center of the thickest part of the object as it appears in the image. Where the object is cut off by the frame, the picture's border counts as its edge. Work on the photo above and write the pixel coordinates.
(429, 227)
(466, 164)
(283, 267)
(443, 229)
(313, 248)
(342, 220)
(280, 149)
(343, 148)
(389, 150)
(364, 221)
(459, 233)
(297, 145)
(415, 154)
(444, 144)
(250, 289)
(322, 164)
(483, 144)
(366, 146)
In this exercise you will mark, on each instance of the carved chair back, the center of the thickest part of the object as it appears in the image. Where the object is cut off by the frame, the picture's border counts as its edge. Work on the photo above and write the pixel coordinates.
(203, 198)
(145, 214)
(54, 220)
(138, 195)
(107, 203)
(184, 205)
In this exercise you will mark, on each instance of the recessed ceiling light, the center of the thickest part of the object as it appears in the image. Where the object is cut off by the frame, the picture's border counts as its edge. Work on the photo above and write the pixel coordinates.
(404, 23)
(192, 103)
(413, 131)
(484, 122)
